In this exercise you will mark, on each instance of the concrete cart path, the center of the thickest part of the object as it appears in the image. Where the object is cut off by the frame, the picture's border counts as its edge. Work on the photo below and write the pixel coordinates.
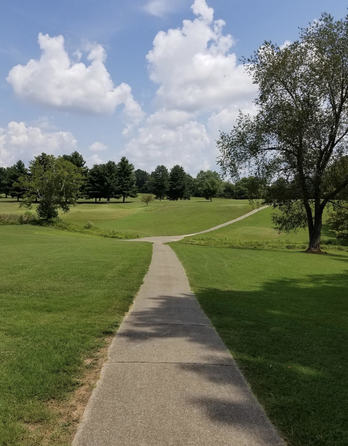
(169, 379)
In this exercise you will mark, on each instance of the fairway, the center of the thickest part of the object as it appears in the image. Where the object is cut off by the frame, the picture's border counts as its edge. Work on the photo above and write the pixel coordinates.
(284, 316)
(135, 219)
(258, 231)
(61, 294)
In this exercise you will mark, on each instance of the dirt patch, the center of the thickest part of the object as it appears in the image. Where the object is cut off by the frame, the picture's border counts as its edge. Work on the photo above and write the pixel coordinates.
(64, 416)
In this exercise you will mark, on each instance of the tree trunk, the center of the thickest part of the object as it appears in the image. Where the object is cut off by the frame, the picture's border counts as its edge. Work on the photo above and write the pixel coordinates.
(123, 198)
(17, 197)
(315, 235)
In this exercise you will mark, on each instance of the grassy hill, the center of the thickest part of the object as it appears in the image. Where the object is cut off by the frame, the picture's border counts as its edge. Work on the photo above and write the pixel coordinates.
(136, 219)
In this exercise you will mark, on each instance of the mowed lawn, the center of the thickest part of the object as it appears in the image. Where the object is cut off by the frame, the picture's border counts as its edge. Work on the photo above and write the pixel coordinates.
(258, 231)
(284, 316)
(61, 294)
(159, 218)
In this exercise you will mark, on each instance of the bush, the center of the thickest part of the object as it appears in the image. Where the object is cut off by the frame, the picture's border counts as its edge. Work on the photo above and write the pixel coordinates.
(13, 219)
(147, 198)
(338, 222)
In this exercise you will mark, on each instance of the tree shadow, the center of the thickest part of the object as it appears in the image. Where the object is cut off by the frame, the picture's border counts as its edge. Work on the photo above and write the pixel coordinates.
(289, 338)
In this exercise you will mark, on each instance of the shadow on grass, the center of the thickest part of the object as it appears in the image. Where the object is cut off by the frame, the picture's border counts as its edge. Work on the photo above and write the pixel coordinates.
(290, 339)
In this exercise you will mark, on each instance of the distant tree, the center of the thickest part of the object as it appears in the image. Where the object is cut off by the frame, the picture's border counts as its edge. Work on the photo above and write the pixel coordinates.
(3, 181)
(142, 179)
(338, 222)
(146, 198)
(177, 183)
(228, 190)
(126, 179)
(77, 159)
(15, 174)
(55, 181)
(208, 184)
(94, 187)
(160, 182)
(190, 186)
(109, 177)
(249, 188)
(301, 128)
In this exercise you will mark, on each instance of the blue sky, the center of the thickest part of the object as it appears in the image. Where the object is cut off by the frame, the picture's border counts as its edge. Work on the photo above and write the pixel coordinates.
(113, 77)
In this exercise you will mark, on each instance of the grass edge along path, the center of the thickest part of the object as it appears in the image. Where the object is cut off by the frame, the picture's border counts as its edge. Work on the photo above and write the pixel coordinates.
(61, 295)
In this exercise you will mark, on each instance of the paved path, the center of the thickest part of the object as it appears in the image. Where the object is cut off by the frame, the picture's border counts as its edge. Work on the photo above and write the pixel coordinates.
(169, 379)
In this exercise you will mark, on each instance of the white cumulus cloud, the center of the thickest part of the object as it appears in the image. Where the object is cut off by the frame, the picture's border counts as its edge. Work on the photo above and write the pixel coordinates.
(57, 81)
(97, 146)
(200, 8)
(21, 141)
(201, 88)
(195, 67)
(170, 138)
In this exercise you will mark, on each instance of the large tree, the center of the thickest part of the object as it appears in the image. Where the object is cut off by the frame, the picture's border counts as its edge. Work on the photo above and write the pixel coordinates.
(94, 187)
(177, 183)
(142, 179)
(159, 182)
(55, 182)
(4, 180)
(208, 184)
(126, 179)
(15, 174)
(299, 132)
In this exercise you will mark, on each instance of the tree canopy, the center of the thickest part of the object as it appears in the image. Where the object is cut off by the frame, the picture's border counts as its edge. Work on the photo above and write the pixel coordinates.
(299, 133)
(55, 182)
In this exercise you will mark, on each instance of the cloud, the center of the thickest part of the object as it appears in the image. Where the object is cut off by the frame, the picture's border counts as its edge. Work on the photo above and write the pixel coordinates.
(57, 81)
(200, 8)
(194, 66)
(21, 141)
(160, 8)
(94, 159)
(97, 146)
(201, 88)
(169, 137)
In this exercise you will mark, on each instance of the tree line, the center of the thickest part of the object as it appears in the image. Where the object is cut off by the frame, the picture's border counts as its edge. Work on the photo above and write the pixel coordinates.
(121, 180)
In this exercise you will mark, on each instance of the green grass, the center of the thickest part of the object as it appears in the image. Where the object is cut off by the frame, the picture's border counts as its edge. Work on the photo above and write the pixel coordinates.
(61, 294)
(284, 316)
(257, 231)
(159, 218)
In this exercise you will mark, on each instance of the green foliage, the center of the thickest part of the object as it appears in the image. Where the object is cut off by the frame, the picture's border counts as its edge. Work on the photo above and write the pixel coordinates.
(159, 182)
(142, 179)
(338, 222)
(17, 219)
(15, 176)
(228, 190)
(300, 132)
(146, 198)
(54, 182)
(125, 179)
(3, 180)
(177, 183)
(208, 184)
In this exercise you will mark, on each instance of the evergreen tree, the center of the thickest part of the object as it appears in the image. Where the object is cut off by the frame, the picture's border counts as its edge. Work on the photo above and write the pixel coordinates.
(177, 183)
(160, 182)
(125, 179)
(142, 180)
(15, 174)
